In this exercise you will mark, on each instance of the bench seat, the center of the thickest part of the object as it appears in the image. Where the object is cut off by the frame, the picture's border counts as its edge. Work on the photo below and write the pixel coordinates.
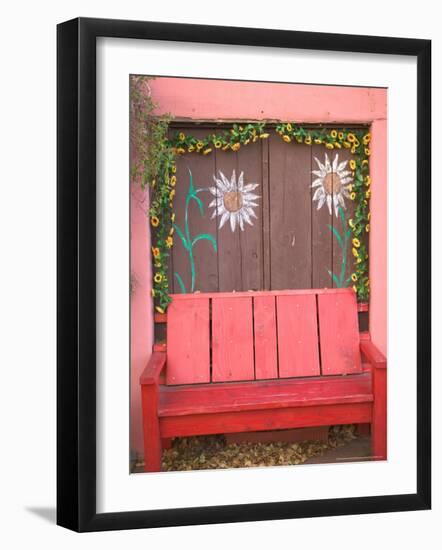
(256, 395)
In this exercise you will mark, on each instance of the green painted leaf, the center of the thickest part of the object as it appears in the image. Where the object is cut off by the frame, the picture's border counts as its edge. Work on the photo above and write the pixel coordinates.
(336, 234)
(181, 236)
(180, 282)
(335, 279)
(195, 197)
(205, 236)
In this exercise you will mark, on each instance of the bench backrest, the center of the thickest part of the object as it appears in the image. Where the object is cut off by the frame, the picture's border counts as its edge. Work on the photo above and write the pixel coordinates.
(223, 337)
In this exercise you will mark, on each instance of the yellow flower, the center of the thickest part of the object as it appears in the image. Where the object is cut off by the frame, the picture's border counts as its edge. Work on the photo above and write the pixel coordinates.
(354, 277)
(218, 144)
(355, 252)
(173, 181)
(180, 151)
(353, 164)
(181, 136)
(298, 139)
(365, 162)
(158, 278)
(169, 242)
(207, 151)
(318, 141)
(351, 138)
(367, 282)
(155, 251)
(247, 141)
(173, 168)
(366, 139)
(333, 134)
(368, 215)
(172, 217)
(353, 196)
(347, 144)
(154, 221)
(159, 309)
(157, 264)
(255, 138)
(191, 148)
(367, 151)
(367, 181)
(287, 139)
(236, 146)
(368, 193)
(354, 288)
(341, 135)
(308, 140)
(367, 228)
(356, 142)
(329, 145)
(152, 293)
(171, 230)
(356, 243)
(358, 260)
(289, 127)
(153, 183)
(350, 187)
(350, 223)
(172, 194)
(338, 145)
(264, 136)
(353, 150)
(226, 147)
(199, 145)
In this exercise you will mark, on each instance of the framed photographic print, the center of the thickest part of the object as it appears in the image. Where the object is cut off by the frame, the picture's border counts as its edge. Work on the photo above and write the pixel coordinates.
(243, 274)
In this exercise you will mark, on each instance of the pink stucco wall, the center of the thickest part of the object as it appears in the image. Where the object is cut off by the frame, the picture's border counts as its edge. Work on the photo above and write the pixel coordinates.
(232, 100)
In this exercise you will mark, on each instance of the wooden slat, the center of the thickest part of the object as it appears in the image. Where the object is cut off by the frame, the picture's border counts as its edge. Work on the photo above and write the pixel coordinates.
(232, 339)
(266, 356)
(188, 346)
(322, 237)
(236, 295)
(290, 214)
(266, 394)
(297, 336)
(204, 256)
(339, 335)
(258, 420)
(343, 265)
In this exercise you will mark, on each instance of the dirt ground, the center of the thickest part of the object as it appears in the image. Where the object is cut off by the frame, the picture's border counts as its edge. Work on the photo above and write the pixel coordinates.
(213, 452)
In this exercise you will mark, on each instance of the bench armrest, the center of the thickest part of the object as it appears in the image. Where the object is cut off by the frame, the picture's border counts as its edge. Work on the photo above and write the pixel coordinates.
(151, 373)
(373, 355)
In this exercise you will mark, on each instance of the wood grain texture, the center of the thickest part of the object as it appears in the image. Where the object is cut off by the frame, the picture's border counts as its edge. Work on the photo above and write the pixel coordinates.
(297, 336)
(188, 339)
(339, 333)
(290, 214)
(322, 237)
(266, 353)
(232, 339)
(257, 420)
(264, 394)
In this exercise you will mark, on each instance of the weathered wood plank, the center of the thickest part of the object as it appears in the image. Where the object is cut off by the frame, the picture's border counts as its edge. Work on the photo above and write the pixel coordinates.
(290, 214)
(339, 335)
(266, 355)
(188, 345)
(297, 336)
(232, 339)
(322, 236)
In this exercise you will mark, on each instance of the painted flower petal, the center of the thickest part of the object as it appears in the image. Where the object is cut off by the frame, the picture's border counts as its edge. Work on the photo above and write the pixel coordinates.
(250, 196)
(318, 181)
(224, 218)
(241, 181)
(321, 167)
(329, 204)
(233, 221)
(341, 166)
(240, 219)
(318, 193)
(214, 191)
(321, 201)
(336, 205)
(250, 187)
(346, 180)
(341, 201)
(233, 181)
(327, 164)
(335, 162)
(225, 181)
(343, 173)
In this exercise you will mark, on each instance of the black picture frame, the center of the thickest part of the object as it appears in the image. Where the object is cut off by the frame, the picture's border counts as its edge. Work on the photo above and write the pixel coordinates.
(76, 274)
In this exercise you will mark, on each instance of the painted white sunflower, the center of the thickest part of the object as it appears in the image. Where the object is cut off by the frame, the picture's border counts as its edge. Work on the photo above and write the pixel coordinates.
(332, 184)
(233, 200)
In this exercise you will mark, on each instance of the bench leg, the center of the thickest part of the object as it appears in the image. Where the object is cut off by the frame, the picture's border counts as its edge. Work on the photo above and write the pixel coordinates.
(151, 428)
(379, 423)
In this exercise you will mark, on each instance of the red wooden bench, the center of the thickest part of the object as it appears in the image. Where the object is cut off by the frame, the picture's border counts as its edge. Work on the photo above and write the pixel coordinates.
(254, 361)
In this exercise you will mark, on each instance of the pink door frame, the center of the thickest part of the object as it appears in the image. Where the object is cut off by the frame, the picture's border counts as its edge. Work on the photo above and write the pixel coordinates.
(235, 100)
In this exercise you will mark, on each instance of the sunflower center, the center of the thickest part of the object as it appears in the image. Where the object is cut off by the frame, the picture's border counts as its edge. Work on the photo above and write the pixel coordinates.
(233, 201)
(332, 183)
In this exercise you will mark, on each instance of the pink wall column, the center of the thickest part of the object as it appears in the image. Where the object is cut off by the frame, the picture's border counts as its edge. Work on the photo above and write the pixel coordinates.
(141, 306)
(233, 100)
